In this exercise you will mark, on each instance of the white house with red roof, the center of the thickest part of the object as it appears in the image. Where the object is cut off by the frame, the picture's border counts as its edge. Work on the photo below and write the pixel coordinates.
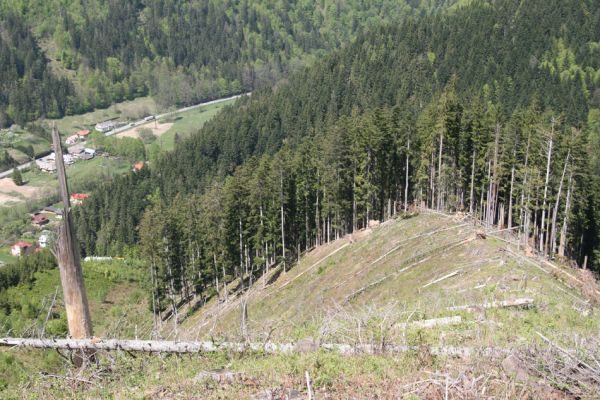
(20, 248)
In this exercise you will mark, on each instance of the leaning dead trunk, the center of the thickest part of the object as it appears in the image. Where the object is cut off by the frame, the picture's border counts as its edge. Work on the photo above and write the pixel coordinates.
(67, 254)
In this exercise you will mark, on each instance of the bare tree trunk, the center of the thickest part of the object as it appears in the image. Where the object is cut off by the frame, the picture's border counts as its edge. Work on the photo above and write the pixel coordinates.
(318, 238)
(432, 179)
(441, 150)
(406, 178)
(472, 190)
(549, 158)
(493, 198)
(67, 254)
(556, 204)
(306, 244)
(524, 188)
(282, 221)
(563, 231)
(354, 216)
(488, 207)
(510, 196)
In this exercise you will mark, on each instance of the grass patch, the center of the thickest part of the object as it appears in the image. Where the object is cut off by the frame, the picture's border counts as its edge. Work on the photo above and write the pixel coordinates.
(186, 123)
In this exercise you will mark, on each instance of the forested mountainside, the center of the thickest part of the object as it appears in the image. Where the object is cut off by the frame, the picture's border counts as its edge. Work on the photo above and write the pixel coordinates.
(67, 57)
(492, 110)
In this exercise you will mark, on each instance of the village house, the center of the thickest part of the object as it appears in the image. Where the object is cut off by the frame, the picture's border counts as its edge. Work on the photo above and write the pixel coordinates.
(78, 198)
(21, 248)
(46, 163)
(39, 219)
(83, 133)
(44, 239)
(107, 126)
(82, 153)
(72, 139)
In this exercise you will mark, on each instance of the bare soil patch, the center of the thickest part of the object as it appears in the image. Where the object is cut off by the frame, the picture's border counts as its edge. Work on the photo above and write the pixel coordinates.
(7, 186)
(157, 130)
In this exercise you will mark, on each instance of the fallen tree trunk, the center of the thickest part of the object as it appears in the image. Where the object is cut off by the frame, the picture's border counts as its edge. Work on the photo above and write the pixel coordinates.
(450, 275)
(159, 346)
(431, 323)
(526, 302)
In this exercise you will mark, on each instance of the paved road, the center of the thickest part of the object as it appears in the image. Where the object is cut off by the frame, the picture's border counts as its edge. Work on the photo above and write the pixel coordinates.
(9, 172)
(140, 122)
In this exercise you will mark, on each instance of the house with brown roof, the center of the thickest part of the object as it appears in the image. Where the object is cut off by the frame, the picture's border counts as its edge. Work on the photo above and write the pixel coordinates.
(83, 133)
(39, 219)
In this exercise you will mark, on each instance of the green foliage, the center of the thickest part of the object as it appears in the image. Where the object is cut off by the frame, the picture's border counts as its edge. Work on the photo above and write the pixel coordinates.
(147, 135)
(6, 161)
(12, 370)
(17, 177)
(129, 148)
(321, 155)
(179, 52)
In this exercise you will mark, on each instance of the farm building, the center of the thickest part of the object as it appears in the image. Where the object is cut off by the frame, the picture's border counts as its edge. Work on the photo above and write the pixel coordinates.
(108, 126)
(72, 139)
(46, 163)
(45, 239)
(76, 149)
(39, 219)
(21, 248)
(83, 133)
(83, 153)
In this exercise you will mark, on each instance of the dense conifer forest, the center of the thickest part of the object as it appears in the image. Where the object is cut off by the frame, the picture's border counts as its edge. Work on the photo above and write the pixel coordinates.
(491, 110)
(67, 57)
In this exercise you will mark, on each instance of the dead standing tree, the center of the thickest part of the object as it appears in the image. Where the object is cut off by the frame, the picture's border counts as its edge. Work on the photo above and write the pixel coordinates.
(67, 255)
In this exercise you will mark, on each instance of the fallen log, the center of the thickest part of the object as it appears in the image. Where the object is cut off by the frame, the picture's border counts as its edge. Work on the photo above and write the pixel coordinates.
(431, 323)
(526, 302)
(159, 346)
(450, 275)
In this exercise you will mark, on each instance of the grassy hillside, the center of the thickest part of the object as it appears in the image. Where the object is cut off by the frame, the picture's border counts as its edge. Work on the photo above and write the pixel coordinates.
(388, 276)
(313, 300)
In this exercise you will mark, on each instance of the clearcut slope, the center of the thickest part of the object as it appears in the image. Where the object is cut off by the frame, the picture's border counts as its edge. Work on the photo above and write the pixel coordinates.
(403, 271)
